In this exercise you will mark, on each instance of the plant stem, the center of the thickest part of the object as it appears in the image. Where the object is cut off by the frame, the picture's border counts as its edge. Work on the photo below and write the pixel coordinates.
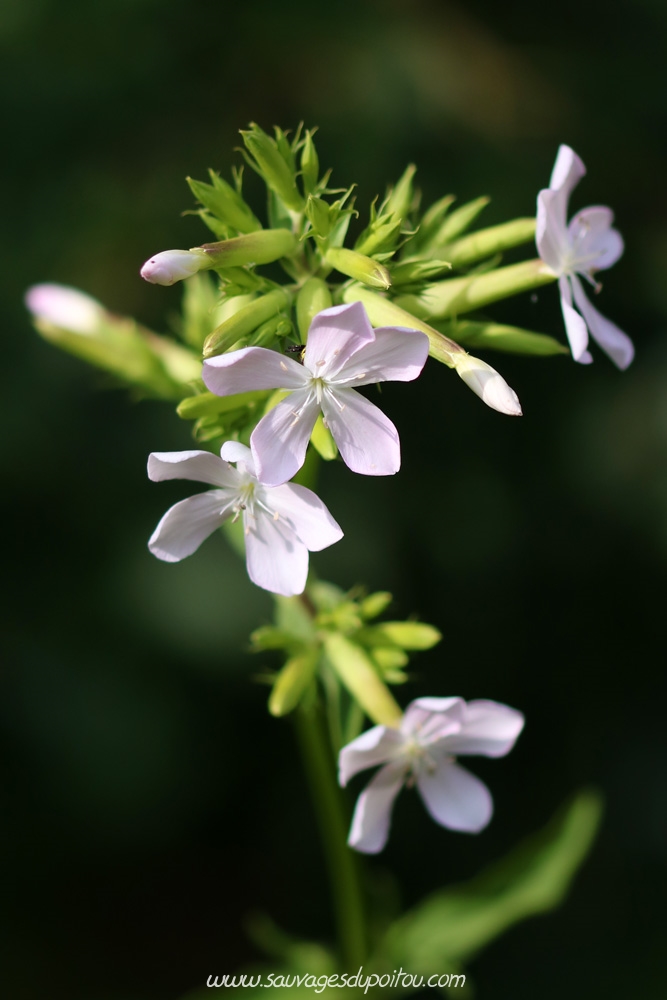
(341, 862)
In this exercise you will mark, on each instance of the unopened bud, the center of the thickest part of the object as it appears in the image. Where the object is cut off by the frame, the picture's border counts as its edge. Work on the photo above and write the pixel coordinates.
(361, 268)
(311, 299)
(488, 384)
(65, 307)
(170, 266)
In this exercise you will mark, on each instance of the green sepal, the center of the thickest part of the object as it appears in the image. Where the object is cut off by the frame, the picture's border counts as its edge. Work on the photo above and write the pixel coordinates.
(268, 157)
(499, 337)
(245, 321)
(405, 635)
(207, 404)
(409, 272)
(361, 678)
(310, 164)
(375, 604)
(431, 222)
(322, 440)
(311, 299)
(269, 637)
(380, 236)
(359, 267)
(293, 682)
(488, 242)
(223, 202)
(401, 197)
(389, 658)
(455, 223)
(261, 247)
(200, 302)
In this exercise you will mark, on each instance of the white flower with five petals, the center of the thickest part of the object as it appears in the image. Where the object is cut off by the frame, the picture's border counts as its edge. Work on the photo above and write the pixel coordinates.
(342, 351)
(581, 247)
(422, 752)
(281, 524)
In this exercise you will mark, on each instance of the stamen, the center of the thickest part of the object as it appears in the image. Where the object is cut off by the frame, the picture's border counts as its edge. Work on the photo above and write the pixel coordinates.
(284, 366)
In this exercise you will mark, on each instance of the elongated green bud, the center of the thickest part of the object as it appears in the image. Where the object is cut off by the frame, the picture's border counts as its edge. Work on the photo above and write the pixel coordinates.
(360, 677)
(402, 195)
(253, 248)
(375, 604)
(207, 404)
(382, 312)
(453, 296)
(407, 635)
(457, 222)
(267, 333)
(226, 204)
(310, 165)
(292, 682)
(499, 337)
(356, 265)
(311, 299)
(243, 322)
(271, 165)
(410, 271)
(487, 242)
(382, 235)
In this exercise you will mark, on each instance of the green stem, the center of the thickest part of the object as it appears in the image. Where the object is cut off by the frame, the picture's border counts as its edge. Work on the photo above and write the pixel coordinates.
(341, 862)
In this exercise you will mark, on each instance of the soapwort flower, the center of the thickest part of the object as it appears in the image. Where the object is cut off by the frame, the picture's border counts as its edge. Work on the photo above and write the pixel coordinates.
(422, 752)
(581, 247)
(342, 351)
(281, 524)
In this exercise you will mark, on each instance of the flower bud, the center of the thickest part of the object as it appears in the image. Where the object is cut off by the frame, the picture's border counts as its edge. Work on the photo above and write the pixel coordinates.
(487, 242)
(170, 266)
(312, 298)
(358, 266)
(245, 321)
(272, 167)
(261, 247)
(488, 384)
(226, 204)
(360, 677)
(402, 195)
(65, 307)
(310, 166)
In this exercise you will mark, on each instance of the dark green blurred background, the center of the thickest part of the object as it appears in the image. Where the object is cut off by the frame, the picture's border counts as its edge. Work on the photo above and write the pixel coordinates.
(148, 801)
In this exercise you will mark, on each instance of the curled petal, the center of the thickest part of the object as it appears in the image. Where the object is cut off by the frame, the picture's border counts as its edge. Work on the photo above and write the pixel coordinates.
(455, 798)
(488, 728)
(567, 172)
(575, 327)
(307, 515)
(185, 525)
(199, 466)
(376, 746)
(280, 439)
(489, 385)
(335, 335)
(396, 355)
(611, 339)
(372, 813)
(234, 451)
(65, 307)
(275, 558)
(366, 438)
(251, 368)
(595, 245)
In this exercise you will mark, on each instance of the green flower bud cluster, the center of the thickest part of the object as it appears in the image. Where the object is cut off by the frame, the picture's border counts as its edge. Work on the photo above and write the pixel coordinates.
(331, 636)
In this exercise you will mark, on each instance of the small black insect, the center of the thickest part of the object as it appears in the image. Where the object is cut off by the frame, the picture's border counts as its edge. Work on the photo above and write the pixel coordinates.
(298, 349)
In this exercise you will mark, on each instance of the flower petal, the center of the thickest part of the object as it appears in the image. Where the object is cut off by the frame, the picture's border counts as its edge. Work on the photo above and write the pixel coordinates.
(251, 368)
(551, 230)
(595, 245)
(334, 336)
(575, 327)
(455, 798)
(429, 719)
(280, 439)
(611, 339)
(199, 466)
(275, 558)
(567, 172)
(185, 525)
(305, 513)
(234, 451)
(397, 355)
(375, 746)
(372, 813)
(367, 440)
(489, 728)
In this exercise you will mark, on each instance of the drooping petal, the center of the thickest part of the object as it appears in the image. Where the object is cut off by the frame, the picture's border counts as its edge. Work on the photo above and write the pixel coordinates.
(367, 440)
(251, 368)
(376, 746)
(567, 172)
(334, 337)
(455, 798)
(199, 466)
(551, 230)
(65, 307)
(308, 517)
(396, 355)
(185, 525)
(595, 246)
(489, 728)
(611, 339)
(372, 813)
(234, 451)
(575, 327)
(488, 384)
(280, 439)
(275, 558)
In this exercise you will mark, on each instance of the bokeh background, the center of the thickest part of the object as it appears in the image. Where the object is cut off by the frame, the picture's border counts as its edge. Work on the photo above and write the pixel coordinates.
(149, 804)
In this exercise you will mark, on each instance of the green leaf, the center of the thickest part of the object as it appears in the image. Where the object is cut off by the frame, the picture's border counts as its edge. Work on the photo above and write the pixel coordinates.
(454, 924)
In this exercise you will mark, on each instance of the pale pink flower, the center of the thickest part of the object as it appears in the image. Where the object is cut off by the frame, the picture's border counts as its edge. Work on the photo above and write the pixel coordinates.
(342, 351)
(281, 524)
(422, 752)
